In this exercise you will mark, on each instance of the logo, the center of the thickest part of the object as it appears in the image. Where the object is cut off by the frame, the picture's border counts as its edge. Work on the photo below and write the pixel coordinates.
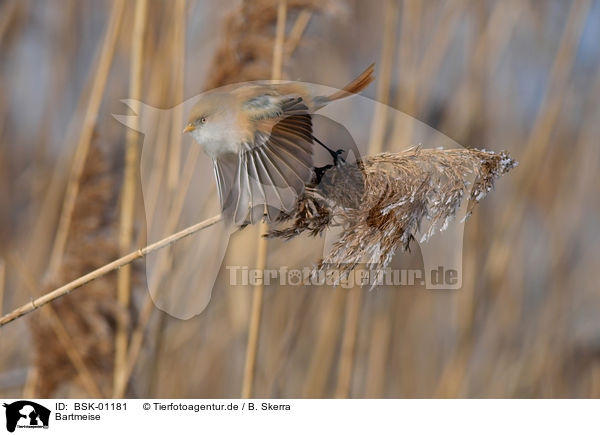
(26, 414)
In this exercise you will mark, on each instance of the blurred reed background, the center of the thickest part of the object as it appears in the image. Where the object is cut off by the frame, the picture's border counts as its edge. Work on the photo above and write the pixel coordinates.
(513, 75)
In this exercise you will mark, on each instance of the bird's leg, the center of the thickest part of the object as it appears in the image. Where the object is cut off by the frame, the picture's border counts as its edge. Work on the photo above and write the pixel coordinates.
(335, 155)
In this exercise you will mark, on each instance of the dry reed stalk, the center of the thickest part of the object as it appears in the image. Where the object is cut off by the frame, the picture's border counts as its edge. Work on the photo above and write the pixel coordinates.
(261, 252)
(145, 314)
(87, 129)
(555, 90)
(254, 326)
(421, 73)
(436, 52)
(137, 339)
(292, 313)
(539, 137)
(406, 92)
(378, 351)
(128, 193)
(379, 125)
(9, 9)
(64, 46)
(295, 36)
(158, 169)
(451, 381)
(45, 225)
(162, 167)
(276, 71)
(495, 37)
(101, 271)
(494, 40)
(179, 24)
(379, 122)
(586, 136)
(247, 48)
(30, 383)
(155, 357)
(158, 92)
(177, 46)
(183, 187)
(350, 330)
(329, 328)
(581, 172)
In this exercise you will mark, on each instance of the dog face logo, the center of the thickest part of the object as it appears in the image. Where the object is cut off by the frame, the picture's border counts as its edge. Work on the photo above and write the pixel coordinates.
(26, 414)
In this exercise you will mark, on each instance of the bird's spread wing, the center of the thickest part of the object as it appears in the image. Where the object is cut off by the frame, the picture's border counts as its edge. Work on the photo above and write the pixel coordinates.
(272, 169)
(264, 106)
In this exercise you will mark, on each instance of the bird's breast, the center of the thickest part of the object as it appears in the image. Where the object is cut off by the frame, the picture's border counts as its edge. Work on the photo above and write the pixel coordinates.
(222, 136)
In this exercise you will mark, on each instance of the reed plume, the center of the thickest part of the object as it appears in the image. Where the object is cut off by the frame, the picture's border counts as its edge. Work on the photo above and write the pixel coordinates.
(89, 317)
(246, 51)
(386, 201)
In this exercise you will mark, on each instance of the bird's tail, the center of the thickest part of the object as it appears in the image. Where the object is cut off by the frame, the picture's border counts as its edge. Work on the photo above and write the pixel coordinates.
(354, 87)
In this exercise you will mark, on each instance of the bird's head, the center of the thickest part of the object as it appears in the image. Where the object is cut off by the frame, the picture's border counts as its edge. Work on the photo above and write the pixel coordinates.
(205, 119)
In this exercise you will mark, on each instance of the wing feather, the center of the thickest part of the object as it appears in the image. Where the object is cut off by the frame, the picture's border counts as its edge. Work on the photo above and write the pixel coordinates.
(273, 170)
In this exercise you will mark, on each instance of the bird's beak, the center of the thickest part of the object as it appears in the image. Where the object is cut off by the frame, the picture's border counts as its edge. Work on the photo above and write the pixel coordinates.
(188, 128)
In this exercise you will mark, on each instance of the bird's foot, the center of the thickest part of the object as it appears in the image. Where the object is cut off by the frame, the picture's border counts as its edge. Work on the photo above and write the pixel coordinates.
(335, 155)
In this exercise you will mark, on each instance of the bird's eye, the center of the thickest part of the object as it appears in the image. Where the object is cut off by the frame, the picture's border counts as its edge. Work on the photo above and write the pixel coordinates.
(202, 120)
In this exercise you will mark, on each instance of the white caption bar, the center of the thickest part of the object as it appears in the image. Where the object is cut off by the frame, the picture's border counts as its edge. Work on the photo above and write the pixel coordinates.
(300, 416)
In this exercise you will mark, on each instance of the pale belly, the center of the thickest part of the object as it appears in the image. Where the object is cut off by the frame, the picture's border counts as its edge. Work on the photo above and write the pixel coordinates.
(219, 140)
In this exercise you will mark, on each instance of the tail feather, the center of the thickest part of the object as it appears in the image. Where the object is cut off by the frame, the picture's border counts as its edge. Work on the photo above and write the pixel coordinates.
(355, 86)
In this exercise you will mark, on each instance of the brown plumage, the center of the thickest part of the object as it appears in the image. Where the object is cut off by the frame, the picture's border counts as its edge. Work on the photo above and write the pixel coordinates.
(259, 137)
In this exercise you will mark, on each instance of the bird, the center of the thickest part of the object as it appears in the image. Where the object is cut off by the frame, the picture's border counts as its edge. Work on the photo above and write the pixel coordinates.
(260, 139)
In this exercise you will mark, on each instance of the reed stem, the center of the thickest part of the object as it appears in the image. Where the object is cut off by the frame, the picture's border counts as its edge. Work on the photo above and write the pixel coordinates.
(101, 271)
(129, 193)
(257, 297)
